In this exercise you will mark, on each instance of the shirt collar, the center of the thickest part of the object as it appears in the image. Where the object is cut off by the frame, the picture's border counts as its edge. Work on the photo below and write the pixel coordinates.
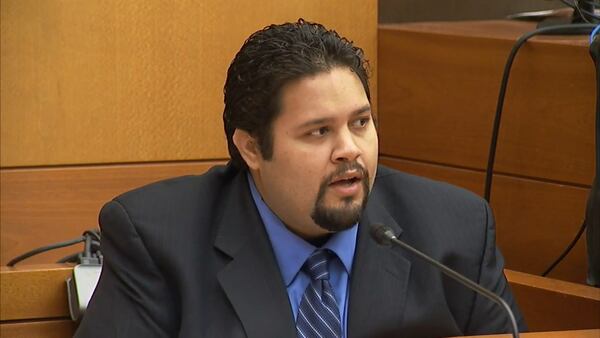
(291, 251)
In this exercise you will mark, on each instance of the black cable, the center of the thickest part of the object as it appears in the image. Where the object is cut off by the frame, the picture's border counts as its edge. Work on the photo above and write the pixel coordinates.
(580, 28)
(582, 12)
(576, 5)
(583, 29)
(77, 257)
(72, 258)
(95, 233)
(44, 249)
(566, 251)
(91, 252)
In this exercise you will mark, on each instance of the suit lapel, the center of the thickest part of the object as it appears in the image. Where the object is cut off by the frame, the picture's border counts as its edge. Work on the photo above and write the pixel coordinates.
(379, 280)
(252, 280)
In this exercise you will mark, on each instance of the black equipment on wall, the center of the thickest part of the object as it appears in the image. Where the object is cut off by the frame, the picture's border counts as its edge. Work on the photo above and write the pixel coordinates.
(592, 214)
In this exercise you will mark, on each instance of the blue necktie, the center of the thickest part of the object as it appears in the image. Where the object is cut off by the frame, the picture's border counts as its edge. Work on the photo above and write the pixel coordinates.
(318, 314)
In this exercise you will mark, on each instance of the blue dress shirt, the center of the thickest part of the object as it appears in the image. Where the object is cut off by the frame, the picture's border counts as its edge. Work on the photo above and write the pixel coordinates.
(292, 251)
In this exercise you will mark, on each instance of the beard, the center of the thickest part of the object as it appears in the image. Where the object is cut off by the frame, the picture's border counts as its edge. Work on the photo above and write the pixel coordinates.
(342, 217)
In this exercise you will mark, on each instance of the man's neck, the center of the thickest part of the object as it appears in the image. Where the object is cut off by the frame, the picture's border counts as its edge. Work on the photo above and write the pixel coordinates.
(318, 241)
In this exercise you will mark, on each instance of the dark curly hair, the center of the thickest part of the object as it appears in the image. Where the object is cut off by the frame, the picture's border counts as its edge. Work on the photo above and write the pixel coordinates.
(272, 58)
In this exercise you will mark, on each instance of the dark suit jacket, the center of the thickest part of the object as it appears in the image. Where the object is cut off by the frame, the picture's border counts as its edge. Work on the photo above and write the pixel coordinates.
(190, 257)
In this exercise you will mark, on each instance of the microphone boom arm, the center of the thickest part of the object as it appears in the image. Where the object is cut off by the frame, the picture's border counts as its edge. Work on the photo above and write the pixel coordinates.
(385, 236)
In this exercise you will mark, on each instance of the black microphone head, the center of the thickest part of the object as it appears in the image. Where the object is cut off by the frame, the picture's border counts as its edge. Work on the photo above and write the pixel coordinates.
(381, 233)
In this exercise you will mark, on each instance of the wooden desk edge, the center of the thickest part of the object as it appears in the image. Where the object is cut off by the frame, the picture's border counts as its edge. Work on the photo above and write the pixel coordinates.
(594, 333)
(553, 285)
(30, 292)
(55, 273)
(35, 267)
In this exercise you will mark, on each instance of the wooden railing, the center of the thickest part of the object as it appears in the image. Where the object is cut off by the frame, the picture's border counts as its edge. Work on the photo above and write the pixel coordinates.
(34, 302)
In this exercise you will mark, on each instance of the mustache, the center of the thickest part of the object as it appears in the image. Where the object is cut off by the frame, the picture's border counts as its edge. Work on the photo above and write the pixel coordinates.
(345, 167)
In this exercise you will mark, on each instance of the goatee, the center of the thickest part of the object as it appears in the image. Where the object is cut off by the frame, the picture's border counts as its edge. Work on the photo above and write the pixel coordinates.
(336, 219)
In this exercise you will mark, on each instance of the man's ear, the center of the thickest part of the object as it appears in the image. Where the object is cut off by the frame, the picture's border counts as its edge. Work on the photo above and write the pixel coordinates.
(248, 148)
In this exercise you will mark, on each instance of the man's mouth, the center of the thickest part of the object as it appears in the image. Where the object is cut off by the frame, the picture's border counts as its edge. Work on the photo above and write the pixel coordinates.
(348, 182)
(347, 179)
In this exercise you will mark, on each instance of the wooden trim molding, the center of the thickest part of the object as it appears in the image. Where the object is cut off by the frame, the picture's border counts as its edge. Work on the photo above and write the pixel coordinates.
(34, 291)
(38, 292)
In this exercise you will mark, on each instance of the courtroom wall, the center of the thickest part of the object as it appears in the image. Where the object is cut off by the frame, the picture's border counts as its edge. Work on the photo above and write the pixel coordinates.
(127, 81)
(100, 97)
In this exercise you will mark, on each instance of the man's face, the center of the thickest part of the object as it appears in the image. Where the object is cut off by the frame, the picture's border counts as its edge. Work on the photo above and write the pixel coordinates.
(324, 154)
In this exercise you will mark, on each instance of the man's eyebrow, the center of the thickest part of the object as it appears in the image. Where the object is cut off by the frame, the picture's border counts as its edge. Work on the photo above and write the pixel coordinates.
(316, 122)
(364, 109)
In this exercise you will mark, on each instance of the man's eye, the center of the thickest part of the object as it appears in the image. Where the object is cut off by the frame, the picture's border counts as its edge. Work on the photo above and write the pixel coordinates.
(319, 132)
(360, 122)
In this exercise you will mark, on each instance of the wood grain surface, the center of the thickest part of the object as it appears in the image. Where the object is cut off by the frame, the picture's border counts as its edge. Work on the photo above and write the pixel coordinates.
(32, 294)
(535, 220)
(594, 333)
(135, 80)
(439, 85)
(44, 206)
(34, 291)
(552, 305)
(60, 328)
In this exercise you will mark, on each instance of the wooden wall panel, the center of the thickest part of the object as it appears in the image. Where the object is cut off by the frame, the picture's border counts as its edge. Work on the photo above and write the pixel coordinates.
(132, 81)
(465, 178)
(439, 84)
(45, 206)
(442, 80)
(550, 304)
(535, 220)
(547, 304)
(39, 329)
(591, 333)
(34, 292)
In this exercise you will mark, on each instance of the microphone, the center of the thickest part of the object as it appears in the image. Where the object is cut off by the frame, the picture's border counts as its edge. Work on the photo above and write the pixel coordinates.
(383, 235)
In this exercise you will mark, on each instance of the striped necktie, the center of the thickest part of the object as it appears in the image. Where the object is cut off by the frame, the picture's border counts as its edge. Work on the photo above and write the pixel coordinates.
(318, 314)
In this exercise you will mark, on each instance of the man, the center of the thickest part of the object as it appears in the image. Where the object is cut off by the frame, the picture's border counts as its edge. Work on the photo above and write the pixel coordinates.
(276, 243)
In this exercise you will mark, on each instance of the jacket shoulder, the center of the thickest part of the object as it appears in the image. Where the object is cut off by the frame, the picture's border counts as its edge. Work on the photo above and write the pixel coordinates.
(179, 204)
(178, 189)
(434, 214)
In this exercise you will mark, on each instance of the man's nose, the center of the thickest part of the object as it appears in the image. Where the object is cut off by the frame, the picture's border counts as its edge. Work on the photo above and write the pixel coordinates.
(346, 147)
